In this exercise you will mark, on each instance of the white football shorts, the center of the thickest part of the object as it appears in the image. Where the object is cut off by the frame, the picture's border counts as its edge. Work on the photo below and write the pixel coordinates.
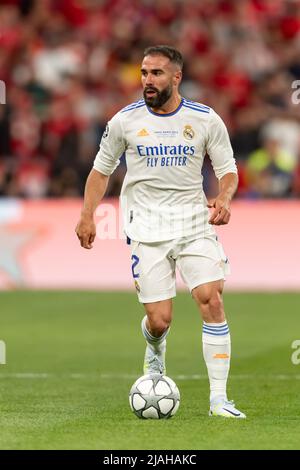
(199, 261)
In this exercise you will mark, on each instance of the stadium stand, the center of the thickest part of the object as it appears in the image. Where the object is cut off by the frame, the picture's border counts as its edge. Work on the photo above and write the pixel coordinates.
(69, 65)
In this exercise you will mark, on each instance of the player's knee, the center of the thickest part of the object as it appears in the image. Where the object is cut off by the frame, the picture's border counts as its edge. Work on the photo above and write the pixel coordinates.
(215, 303)
(159, 317)
(159, 326)
(216, 309)
(159, 323)
(213, 309)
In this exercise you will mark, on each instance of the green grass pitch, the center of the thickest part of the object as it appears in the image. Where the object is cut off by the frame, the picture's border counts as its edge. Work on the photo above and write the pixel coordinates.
(73, 356)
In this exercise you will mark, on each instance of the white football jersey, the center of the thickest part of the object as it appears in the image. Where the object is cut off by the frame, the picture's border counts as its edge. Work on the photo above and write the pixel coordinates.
(162, 196)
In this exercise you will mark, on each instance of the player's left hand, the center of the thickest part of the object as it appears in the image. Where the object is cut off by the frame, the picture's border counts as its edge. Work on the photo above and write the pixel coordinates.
(221, 214)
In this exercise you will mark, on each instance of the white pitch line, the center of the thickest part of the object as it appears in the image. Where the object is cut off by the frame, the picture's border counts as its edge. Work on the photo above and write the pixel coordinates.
(79, 375)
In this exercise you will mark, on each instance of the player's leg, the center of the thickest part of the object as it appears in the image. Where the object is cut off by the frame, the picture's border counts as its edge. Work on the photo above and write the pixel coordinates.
(216, 346)
(155, 327)
(154, 275)
(203, 266)
(215, 336)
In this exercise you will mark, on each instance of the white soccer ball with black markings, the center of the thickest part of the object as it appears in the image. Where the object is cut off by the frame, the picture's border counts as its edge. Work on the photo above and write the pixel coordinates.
(154, 396)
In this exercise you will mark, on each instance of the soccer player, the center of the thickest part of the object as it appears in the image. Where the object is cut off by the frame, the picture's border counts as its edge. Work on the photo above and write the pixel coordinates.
(166, 216)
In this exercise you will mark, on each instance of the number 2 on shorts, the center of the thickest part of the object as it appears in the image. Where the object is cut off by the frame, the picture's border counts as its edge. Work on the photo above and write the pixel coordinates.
(135, 261)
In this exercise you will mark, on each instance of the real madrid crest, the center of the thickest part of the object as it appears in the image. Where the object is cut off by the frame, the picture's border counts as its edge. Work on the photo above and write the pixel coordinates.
(188, 132)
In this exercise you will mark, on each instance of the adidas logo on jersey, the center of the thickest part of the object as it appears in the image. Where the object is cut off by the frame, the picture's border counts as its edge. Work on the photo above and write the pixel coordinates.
(143, 133)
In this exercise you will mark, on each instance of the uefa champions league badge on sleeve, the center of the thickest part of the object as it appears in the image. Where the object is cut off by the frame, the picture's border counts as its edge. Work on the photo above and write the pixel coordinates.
(105, 133)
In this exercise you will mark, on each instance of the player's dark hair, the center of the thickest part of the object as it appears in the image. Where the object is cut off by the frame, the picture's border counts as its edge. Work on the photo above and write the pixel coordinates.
(168, 51)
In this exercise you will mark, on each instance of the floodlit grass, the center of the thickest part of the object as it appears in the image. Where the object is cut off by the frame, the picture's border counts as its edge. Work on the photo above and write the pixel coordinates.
(73, 356)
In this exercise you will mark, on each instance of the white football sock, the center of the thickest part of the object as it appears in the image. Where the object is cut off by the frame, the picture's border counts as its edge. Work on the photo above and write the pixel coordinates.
(216, 352)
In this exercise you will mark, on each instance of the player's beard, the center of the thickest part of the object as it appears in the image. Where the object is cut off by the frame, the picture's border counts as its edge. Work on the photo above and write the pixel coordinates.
(161, 97)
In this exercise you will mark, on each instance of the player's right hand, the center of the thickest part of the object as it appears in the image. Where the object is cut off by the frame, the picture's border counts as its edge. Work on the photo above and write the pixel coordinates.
(86, 232)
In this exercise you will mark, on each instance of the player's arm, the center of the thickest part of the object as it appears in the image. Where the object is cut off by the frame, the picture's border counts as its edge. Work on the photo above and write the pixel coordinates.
(95, 188)
(221, 154)
(221, 204)
(107, 159)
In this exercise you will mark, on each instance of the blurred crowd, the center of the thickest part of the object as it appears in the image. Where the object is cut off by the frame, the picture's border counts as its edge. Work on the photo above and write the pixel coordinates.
(69, 65)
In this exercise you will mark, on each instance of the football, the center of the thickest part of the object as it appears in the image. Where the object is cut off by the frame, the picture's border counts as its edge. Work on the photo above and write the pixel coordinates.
(154, 397)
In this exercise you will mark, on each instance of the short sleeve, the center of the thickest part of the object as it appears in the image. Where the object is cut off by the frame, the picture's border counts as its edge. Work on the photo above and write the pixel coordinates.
(112, 146)
(219, 148)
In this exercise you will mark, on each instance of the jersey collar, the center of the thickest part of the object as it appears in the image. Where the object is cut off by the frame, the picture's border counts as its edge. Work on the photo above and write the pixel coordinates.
(168, 114)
